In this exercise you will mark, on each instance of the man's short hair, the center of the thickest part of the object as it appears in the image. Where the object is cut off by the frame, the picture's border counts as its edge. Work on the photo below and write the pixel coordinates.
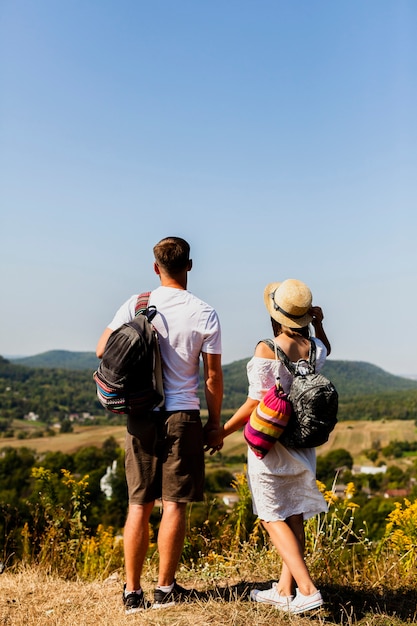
(172, 254)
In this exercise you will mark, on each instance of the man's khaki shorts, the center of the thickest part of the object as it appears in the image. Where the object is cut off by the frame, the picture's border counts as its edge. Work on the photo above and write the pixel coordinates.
(165, 459)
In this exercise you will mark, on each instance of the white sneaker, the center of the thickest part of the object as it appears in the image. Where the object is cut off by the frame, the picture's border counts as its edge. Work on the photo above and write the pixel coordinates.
(305, 603)
(271, 596)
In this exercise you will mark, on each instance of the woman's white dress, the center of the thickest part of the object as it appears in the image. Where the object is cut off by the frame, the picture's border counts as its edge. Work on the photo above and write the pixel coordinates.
(283, 483)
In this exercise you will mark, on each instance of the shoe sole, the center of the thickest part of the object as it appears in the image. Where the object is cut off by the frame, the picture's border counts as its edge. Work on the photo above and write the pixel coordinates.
(277, 605)
(163, 605)
(135, 610)
(308, 607)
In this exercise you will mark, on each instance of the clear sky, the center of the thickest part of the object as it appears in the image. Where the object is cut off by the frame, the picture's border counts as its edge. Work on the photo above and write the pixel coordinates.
(278, 137)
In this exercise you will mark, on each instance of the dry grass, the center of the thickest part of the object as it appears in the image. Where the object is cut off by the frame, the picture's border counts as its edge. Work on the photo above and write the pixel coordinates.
(69, 443)
(353, 436)
(29, 597)
(357, 436)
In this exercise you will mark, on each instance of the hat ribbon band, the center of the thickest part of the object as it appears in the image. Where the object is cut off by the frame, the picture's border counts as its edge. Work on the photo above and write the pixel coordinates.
(293, 317)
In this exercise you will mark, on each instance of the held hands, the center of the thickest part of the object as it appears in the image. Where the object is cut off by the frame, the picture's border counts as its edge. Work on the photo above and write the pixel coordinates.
(213, 438)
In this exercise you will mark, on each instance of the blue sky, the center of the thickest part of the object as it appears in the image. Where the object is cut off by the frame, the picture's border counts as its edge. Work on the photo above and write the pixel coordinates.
(279, 138)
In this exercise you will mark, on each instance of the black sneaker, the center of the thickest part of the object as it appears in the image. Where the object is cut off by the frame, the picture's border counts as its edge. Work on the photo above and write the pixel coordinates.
(164, 599)
(135, 602)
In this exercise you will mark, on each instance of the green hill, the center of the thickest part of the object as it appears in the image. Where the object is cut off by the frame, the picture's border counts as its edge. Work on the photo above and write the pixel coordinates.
(351, 378)
(50, 393)
(60, 359)
(359, 378)
(59, 382)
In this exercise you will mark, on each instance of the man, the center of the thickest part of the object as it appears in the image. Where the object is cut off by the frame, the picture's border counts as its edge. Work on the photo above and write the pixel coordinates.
(166, 458)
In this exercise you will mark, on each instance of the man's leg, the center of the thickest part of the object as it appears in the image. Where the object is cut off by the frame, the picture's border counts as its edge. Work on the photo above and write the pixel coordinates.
(171, 537)
(136, 542)
(182, 482)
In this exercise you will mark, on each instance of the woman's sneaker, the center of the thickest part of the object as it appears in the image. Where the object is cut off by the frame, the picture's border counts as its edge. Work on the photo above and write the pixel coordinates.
(163, 599)
(135, 602)
(271, 596)
(305, 603)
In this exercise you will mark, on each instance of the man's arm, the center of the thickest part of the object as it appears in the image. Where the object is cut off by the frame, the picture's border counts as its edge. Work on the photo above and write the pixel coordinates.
(102, 342)
(213, 389)
(125, 313)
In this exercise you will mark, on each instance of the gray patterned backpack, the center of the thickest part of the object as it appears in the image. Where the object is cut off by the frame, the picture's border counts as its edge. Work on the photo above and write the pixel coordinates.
(314, 400)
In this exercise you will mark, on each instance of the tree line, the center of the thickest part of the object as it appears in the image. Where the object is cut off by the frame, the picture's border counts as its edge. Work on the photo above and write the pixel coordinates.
(55, 394)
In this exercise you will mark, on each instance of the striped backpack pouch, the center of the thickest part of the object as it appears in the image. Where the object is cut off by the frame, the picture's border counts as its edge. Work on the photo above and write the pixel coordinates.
(268, 421)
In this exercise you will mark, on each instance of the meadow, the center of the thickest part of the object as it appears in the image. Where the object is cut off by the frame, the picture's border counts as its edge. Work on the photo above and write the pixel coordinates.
(32, 598)
(362, 584)
(355, 436)
(77, 578)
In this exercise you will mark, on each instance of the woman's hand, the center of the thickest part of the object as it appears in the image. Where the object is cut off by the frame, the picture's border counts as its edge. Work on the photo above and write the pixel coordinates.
(317, 323)
(317, 315)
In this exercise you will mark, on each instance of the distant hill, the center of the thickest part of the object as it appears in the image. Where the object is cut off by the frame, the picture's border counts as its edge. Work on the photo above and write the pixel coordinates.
(59, 383)
(361, 378)
(51, 393)
(351, 378)
(60, 359)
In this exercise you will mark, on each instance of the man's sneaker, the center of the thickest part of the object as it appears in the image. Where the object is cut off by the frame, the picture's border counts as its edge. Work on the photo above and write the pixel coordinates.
(135, 602)
(305, 603)
(271, 596)
(163, 599)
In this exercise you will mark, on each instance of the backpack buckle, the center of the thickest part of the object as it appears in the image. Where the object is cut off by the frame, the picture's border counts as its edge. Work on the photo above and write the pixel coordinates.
(302, 367)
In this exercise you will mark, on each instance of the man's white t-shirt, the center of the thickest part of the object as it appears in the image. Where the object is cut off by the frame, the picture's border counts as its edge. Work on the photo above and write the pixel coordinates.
(186, 327)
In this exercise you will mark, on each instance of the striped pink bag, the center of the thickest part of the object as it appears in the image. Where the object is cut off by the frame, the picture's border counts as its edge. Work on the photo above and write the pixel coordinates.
(268, 421)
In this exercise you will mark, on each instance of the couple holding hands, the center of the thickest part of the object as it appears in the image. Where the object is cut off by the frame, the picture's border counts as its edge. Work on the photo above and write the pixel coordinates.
(166, 459)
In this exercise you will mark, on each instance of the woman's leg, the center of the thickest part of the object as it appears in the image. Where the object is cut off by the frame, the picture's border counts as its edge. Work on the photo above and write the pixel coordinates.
(286, 584)
(288, 539)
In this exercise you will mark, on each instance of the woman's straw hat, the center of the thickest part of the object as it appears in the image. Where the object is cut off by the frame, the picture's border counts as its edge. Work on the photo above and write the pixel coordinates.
(289, 302)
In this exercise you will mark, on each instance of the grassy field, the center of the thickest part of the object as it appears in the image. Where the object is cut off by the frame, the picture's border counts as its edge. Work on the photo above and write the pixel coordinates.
(81, 437)
(359, 436)
(354, 436)
(32, 597)
(29, 597)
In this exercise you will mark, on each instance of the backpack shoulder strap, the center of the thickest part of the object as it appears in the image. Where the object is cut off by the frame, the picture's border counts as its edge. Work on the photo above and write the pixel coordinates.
(290, 366)
(142, 302)
(141, 306)
(312, 355)
(283, 357)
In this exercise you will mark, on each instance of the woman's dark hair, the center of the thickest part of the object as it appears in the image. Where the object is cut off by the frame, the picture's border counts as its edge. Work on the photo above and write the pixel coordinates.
(304, 332)
(276, 327)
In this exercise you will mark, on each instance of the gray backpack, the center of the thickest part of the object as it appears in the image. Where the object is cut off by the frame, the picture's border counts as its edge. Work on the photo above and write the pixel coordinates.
(129, 376)
(315, 403)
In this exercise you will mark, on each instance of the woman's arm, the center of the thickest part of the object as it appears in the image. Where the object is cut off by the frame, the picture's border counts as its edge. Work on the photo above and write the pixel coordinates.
(240, 418)
(317, 323)
(243, 414)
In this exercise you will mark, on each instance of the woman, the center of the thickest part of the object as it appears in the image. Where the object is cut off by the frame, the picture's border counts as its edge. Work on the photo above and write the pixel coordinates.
(283, 483)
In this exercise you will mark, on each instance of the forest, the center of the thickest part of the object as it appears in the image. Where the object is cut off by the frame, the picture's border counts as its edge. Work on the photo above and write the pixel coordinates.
(55, 393)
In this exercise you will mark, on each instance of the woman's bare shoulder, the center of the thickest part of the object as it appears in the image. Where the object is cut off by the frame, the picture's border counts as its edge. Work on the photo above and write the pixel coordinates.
(263, 351)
